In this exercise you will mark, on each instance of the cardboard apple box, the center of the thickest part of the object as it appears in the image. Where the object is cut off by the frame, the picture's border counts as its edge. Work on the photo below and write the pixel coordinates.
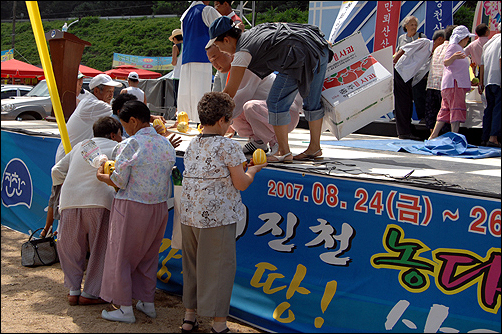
(358, 89)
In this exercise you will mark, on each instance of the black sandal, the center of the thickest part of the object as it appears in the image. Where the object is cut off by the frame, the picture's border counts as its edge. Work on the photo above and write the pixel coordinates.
(226, 330)
(195, 325)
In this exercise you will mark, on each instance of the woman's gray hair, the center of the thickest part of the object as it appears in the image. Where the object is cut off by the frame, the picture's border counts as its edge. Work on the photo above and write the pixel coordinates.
(407, 20)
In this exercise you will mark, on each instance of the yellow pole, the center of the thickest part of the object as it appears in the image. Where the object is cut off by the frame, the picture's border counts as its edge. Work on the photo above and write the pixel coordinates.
(38, 31)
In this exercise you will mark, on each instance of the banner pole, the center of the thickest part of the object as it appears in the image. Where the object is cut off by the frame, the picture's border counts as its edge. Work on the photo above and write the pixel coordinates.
(38, 31)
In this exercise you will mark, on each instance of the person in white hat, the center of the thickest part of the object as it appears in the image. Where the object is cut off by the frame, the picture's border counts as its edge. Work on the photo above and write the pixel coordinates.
(455, 84)
(133, 81)
(89, 110)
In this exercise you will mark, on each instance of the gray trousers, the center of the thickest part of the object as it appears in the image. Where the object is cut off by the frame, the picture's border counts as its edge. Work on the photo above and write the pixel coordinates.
(209, 265)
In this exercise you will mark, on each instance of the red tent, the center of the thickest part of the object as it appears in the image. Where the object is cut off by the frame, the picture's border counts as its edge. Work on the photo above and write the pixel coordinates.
(88, 71)
(18, 69)
(122, 71)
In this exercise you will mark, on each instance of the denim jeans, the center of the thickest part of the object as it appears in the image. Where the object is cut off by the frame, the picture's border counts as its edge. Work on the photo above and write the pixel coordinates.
(491, 117)
(284, 90)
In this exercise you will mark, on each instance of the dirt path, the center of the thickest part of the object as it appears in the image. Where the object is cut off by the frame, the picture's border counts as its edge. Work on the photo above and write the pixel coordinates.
(34, 301)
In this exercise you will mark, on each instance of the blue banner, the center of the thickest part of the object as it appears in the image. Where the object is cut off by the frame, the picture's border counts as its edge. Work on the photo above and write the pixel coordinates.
(438, 16)
(26, 180)
(325, 254)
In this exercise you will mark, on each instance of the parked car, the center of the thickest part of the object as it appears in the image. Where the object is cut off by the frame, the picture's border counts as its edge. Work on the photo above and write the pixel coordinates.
(36, 104)
(14, 90)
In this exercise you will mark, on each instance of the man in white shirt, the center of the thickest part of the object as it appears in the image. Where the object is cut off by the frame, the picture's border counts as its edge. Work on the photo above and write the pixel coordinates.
(408, 61)
(489, 80)
(196, 70)
(250, 116)
(89, 110)
(133, 81)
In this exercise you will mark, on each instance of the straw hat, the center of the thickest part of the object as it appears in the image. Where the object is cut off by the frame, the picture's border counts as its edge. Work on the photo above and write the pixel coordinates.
(175, 32)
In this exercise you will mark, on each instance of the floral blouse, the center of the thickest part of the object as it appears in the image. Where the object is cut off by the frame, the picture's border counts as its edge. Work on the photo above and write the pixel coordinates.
(209, 198)
(143, 167)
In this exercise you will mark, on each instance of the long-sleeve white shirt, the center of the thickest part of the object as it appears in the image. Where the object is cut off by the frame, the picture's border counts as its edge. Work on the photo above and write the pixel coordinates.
(81, 188)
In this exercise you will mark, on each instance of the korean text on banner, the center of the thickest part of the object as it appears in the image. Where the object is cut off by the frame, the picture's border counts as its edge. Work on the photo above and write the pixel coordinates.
(147, 63)
(438, 16)
(387, 24)
(354, 72)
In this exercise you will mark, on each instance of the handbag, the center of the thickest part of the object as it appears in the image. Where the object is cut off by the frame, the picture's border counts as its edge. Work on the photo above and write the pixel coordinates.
(39, 252)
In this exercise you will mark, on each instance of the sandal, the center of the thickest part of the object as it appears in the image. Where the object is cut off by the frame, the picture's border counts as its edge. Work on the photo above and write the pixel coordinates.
(306, 157)
(279, 158)
(195, 325)
(226, 330)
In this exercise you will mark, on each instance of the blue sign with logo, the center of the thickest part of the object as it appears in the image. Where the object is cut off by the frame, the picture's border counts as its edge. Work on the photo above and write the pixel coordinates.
(26, 179)
(17, 188)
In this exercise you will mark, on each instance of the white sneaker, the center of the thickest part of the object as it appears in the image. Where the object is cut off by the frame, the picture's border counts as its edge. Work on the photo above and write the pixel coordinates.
(253, 145)
(274, 149)
(118, 315)
(140, 306)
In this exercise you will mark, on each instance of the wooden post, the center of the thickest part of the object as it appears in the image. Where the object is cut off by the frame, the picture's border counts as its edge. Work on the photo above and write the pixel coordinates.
(66, 53)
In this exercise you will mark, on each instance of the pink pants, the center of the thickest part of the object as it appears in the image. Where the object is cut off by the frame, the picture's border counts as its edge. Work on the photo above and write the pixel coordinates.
(132, 256)
(83, 228)
(253, 121)
(453, 107)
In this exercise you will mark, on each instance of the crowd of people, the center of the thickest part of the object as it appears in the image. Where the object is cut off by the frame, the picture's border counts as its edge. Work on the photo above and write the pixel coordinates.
(444, 63)
(119, 218)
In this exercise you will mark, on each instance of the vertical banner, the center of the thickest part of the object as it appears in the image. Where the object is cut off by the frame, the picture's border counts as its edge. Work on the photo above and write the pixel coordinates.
(345, 10)
(387, 25)
(487, 12)
(438, 15)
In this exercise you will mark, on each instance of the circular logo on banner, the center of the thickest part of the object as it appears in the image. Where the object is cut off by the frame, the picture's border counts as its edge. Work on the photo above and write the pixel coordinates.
(147, 66)
(17, 187)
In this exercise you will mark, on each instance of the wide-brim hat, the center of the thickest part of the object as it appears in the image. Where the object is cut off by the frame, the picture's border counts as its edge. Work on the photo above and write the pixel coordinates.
(175, 33)
(459, 33)
(219, 26)
(103, 79)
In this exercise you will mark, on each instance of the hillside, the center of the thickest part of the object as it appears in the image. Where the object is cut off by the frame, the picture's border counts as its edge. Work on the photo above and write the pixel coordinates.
(144, 36)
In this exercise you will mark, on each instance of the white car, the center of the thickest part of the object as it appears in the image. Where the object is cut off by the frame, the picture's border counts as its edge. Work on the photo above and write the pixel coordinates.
(14, 90)
(36, 104)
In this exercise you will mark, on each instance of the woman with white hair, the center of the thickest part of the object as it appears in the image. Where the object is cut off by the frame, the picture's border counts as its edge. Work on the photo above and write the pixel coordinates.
(419, 84)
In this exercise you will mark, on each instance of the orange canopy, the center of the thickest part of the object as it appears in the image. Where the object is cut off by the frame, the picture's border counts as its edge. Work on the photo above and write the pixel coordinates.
(122, 71)
(18, 69)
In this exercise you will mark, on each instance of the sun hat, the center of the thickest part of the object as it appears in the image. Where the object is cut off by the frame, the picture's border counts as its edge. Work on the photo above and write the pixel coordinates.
(459, 33)
(175, 33)
(133, 76)
(80, 75)
(219, 26)
(103, 79)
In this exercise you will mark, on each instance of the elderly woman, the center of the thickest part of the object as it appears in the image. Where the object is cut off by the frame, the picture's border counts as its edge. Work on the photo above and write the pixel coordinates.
(410, 27)
(419, 83)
